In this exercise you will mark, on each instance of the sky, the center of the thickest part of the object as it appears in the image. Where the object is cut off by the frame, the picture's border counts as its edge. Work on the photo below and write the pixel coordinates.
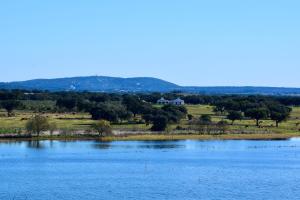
(187, 42)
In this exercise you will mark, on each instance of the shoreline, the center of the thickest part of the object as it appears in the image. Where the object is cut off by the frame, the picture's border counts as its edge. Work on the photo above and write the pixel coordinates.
(155, 137)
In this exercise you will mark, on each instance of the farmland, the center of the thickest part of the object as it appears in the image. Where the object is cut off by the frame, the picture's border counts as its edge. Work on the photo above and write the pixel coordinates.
(81, 121)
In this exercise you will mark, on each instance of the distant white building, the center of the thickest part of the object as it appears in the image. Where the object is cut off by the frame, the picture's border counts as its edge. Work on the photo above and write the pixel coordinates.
(177, 101)
(164, 101)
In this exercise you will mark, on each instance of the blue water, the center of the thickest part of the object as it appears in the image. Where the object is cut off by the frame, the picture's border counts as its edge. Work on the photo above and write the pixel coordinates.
(177, 170)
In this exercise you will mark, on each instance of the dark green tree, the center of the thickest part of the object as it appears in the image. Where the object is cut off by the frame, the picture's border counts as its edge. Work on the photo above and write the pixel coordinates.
(110, 111)
(174, 113)
(190, 117)
(10, 105)
(205, 119)
(148, 118)
(234, 115)
(257, 114)
(160, 123)
(67, 103)
(133, 104)
(280, 114)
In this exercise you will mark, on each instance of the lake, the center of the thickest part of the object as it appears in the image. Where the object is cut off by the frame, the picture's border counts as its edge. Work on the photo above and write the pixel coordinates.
(175, 170)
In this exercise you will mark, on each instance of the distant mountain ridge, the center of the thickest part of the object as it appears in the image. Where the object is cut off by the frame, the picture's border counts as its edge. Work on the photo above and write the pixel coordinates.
(138, 84)
(94, 83)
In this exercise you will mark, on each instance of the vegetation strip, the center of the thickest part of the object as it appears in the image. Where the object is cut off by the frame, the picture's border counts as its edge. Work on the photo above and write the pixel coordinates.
(111, 115)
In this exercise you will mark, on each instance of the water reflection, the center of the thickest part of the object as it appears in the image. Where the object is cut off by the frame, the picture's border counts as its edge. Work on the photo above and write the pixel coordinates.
(35, 144)
(160, 146)
(102, 145)
(137, 145)
(185, 144)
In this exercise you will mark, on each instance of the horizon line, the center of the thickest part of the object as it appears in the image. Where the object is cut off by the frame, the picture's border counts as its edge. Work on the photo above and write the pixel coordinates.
(203, 86)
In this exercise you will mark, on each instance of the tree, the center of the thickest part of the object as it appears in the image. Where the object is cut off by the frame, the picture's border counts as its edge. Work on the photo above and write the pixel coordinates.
(104, 112)
(222, 126)
(234, 115)
(174, 113)
(52, 127)
(257, 114)
(10, 105)
(110, 111)
(37, 124)
(160, 123)
(219, 107)
(280, 114)
(68, 103)
(84, 105)
(102, 127)
(190, 117)
(205, 119)
(148, 118)
(133, 104)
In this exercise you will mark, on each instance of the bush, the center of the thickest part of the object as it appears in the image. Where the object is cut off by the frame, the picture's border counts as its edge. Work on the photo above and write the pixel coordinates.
(222, 126)
(102, 127)
(37, 124)
(111, 111)
(205, 119)
(160, 123)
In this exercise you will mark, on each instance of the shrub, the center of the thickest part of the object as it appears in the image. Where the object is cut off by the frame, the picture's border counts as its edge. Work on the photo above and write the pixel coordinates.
(222, 126)
(205, 119)
(37, 124)
(160, 123)
(102, 127)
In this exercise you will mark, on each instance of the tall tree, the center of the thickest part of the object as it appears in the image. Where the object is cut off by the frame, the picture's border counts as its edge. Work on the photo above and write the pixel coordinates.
(10, 105)
(37, 124)
(160, 123)
(257, 114)
(234, 115)
(280, 114)
(133, 104)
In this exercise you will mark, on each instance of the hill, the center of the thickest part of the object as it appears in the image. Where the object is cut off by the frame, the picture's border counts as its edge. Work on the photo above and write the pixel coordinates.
(95, 83)
(139, 84)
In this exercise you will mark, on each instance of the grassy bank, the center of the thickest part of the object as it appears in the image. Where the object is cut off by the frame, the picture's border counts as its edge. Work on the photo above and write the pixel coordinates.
(72, 122)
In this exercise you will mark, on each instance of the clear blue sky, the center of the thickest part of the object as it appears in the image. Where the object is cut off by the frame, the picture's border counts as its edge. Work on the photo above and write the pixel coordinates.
(188, 42)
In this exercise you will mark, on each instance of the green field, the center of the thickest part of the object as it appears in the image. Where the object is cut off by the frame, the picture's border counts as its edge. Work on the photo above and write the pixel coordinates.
(82, 121)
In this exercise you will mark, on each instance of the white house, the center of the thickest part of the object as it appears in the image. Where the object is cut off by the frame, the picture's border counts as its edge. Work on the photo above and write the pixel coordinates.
(164, 101)
(177, 101)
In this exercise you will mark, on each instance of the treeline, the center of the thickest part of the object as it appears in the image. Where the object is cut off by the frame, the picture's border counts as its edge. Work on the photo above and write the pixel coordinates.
(115, 107)
(257, 109)
(151, 98)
